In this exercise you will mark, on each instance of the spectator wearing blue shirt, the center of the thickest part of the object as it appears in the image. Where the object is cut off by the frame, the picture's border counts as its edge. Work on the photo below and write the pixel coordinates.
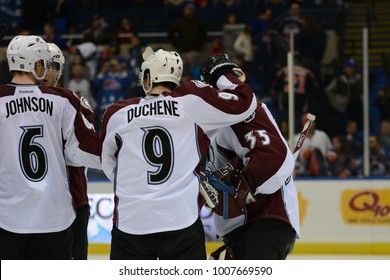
(52, 37)
(260, 25)
(111, 83)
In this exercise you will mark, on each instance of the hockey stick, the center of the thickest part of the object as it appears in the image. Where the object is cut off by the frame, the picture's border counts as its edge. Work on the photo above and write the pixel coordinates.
(310, 118)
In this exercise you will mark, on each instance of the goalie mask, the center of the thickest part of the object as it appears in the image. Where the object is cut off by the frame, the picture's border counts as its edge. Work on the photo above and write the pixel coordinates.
(162, 66)
(58, 60)
(24, 51)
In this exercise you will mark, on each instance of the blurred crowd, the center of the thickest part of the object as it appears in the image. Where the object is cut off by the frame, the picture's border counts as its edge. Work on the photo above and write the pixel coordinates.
(104, 63)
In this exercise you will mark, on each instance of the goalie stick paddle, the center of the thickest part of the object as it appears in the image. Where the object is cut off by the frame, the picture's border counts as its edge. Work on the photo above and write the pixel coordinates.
(310, 118)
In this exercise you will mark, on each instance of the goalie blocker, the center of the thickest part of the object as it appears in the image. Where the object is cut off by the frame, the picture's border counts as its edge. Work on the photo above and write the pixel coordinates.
(231, 187)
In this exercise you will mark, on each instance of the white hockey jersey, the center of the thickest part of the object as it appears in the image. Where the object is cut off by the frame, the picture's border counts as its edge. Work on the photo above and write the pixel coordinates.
(152, 148)
(39, 128)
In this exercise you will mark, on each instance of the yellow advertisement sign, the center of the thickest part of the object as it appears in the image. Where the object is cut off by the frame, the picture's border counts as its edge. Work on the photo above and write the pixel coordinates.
(366, 207)
(303, 204)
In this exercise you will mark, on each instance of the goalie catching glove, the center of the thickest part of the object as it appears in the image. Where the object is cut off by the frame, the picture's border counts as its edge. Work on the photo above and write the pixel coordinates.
(217, 65)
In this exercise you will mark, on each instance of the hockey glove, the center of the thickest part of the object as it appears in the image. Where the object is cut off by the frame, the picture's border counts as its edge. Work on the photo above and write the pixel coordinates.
(215, 66)
(209, 193)
(234, 190)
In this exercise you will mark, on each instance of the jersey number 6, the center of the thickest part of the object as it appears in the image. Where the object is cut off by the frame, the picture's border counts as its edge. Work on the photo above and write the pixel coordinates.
(32, 155)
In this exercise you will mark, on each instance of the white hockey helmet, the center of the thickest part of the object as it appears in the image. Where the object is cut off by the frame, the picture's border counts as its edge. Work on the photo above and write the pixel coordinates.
(58, 59)
(24, 51)
(163, 66)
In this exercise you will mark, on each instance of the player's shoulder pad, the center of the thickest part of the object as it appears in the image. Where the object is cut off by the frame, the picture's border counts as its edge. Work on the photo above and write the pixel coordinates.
(194, 87)
(69, 94)
(6, 90)
(83, 102)
(60, 91)
(115, 107)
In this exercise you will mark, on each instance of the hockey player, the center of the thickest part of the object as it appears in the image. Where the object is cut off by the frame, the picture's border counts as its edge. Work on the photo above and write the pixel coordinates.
(257, 215)
(151, 151)
(42, 130)
(77, 175)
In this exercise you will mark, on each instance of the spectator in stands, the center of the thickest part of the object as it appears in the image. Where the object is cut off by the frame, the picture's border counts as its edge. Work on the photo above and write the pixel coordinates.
(191, 65)
(230, 30)
(292, 22)
(216, 47)
(385, 137)
(77, 59)
(345, 94)
(11, 14)
(112, 83)
(278, 7)
(80, 85)
(311, 42)
(265, 61)
(340, 161)
(125, 32)
(173, 9)
(379, 165)
(90, 53)
(243, 49)
(307, 91)
(383, 100)
(100, 31)
(260, 25)
(112, 50)
(354, 141)
(52, 37)
(58, 11)
(313, 158)
(188, 33)
(134, 63)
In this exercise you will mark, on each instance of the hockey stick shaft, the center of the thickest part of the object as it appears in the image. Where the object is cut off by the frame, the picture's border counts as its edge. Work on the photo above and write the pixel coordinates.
(309, 120)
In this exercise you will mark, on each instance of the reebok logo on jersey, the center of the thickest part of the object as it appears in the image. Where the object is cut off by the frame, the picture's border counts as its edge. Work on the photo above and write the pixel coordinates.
(26, 91)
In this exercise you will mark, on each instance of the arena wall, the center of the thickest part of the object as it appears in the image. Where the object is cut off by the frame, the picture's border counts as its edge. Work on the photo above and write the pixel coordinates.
(337, 217)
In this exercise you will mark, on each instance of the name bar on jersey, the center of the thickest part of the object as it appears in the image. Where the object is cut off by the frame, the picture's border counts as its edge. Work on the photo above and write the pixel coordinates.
(25, 104)
(160, 107)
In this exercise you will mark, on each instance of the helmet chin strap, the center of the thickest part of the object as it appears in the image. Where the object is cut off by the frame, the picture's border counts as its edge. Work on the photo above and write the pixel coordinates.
(147, 91)
(36, 76)
(58, 76)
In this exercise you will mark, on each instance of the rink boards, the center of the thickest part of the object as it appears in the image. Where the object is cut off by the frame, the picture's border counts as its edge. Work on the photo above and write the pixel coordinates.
(337, 217)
